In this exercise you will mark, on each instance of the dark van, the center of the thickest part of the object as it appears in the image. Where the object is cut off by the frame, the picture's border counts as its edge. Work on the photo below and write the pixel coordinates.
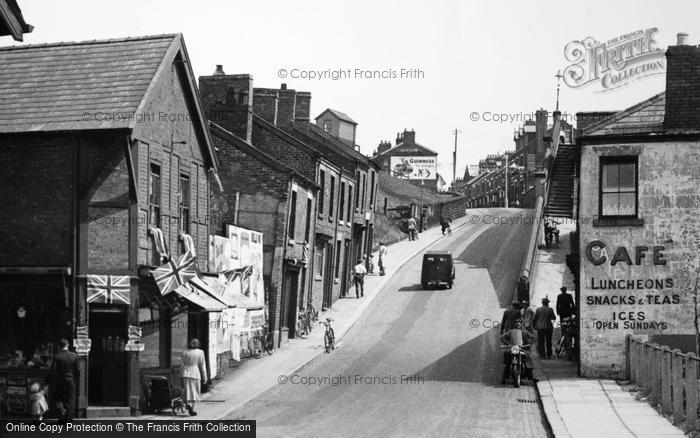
(438, 269)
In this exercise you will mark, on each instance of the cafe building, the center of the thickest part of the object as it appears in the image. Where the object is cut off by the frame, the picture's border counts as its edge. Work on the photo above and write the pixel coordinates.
(638, 218)
(105, 172)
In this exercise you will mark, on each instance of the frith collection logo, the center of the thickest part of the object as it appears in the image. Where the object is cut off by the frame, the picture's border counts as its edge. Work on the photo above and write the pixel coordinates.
(615, 63)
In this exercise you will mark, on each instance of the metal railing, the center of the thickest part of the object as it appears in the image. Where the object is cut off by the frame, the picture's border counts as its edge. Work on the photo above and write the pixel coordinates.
(668, 377)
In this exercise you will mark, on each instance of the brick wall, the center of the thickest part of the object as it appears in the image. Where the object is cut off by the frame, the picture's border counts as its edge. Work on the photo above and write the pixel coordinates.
(36, 187)
(228, 101)
(682, 88)
(287, 152)
(265, 102)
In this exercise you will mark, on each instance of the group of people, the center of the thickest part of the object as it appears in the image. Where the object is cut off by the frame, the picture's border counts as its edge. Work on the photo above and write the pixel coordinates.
(359, 271)
(521, 318)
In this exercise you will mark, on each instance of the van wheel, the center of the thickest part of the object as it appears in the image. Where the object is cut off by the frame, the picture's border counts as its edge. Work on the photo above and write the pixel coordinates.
(425, 285)
(449, 285)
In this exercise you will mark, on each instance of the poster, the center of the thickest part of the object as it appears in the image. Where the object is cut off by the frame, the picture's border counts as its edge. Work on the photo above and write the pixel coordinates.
(247, 245)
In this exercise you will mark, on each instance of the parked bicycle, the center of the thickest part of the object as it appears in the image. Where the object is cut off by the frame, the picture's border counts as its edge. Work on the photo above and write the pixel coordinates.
(311, 313)
(329, 336)
(260, 341)
(303, 325)
(565, 347)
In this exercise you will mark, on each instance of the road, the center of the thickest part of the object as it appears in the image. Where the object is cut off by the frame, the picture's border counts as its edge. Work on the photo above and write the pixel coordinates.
(418, 363)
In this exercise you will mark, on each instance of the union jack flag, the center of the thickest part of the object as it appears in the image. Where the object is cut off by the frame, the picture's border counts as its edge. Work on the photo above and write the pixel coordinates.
(110, 289)
(174, 274)
(233, 274)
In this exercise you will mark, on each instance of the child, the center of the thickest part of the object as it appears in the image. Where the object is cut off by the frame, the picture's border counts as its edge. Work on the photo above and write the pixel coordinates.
(371, 264)
(38, 400)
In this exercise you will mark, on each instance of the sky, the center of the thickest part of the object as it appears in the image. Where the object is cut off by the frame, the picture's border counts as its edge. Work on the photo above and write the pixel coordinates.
(460, 58)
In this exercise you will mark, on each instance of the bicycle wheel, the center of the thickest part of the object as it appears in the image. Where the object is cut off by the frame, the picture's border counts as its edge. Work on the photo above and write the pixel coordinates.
(332, 338)
(299, 329)
(515, 370)
(269, 343)
(255, 345)
(327, 342)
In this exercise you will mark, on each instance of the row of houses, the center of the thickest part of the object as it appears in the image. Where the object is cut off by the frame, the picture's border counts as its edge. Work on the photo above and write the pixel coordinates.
(124, 177)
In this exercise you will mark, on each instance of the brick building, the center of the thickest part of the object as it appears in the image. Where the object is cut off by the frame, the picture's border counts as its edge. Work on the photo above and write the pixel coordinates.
(638, 210)
(408, 160)
(102, 141)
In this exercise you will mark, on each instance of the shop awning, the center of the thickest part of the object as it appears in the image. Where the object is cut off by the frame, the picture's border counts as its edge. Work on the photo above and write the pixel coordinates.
(243, 302)
(212, 287)
(201, 299)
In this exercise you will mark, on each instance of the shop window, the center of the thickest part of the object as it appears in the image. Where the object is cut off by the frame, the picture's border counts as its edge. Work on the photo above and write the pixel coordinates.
(618, 187)
(184, 201)
(154, 196)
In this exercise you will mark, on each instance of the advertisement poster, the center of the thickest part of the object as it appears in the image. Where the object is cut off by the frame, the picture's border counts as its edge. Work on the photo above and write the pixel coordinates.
(247, 245)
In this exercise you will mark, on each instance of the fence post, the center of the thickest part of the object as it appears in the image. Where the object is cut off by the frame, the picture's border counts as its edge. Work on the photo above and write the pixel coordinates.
(677, 384)
(691, 391)
(655, 374)
(666, 380)
(648, 369)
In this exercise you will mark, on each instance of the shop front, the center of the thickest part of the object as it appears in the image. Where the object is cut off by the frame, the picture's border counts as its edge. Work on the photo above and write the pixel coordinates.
(35, 312)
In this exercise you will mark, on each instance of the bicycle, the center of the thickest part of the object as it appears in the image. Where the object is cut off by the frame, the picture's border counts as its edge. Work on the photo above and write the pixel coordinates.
(329, 336)
(565, 346)
(303, 326)
(311, 313)
(261, 341)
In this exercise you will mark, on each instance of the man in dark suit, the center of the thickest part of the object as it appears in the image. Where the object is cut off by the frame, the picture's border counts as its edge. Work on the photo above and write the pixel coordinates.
(542, 322)
(510, 317)
(565, 305)
(64, 375)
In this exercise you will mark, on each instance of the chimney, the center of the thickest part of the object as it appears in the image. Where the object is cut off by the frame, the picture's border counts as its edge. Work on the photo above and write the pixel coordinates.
(287, 106)
(219, 70)
(540, 132)
(409, 137)
(682, 86)
(383, 146)
(302, 108)
(265, 104)
(399, 138)
(227, 100)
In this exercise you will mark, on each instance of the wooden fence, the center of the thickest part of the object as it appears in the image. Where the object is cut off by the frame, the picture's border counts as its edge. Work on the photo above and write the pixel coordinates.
(669, 379)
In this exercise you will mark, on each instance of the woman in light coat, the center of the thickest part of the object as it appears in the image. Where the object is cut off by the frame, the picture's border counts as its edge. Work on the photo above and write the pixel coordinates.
(194, 373)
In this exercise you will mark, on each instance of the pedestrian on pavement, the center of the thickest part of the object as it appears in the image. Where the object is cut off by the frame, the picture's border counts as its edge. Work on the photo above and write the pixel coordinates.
(527, 316)
(64, 375)
(565, 304)
(194, 374)
(510, 317)
(370, 264)
(523, 288)
(382, 258)
(412, 235)
(359, 273)
(543, 324)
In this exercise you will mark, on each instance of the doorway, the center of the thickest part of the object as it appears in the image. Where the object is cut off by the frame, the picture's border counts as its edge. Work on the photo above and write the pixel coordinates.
(107, 369)
(290, 299)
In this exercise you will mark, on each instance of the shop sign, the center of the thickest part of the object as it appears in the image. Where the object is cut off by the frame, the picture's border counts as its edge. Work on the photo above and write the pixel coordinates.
(82, 346)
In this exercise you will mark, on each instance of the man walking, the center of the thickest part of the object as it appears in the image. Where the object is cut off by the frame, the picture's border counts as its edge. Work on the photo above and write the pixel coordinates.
(412, 229)
(565, 304)
(382, 258)
(64, 373)
(542, 322)
(359, 272)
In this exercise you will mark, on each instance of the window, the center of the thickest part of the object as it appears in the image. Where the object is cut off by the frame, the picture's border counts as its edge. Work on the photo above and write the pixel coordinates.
(618, 186)
(331, 202)
(307, 232)
(341, 204)
(364, 188)
(154, 197)
(327, 125)
(337, 259)
(184, 202)
(320, 252)
(292, 215)
(385, 205)
(371, 192)
(322, 196)
(357, 191)
(349, 202)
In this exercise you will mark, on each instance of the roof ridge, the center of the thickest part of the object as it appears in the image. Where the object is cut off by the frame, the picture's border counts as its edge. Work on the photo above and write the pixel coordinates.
(625, 112)
(89, 42)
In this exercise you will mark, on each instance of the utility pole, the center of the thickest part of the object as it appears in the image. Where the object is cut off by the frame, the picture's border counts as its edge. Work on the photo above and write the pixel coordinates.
(506, 170)
(454, 160)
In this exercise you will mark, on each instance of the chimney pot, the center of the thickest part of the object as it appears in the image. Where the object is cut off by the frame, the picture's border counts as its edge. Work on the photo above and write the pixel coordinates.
(283, 87)
(219, 70)
(682, 39)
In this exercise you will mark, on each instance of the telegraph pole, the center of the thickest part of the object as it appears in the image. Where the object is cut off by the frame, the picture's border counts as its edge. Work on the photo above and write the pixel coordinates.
(454, 160)
(506, 169)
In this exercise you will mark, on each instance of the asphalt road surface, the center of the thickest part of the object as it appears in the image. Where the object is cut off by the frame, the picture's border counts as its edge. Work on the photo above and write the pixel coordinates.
(419, 362)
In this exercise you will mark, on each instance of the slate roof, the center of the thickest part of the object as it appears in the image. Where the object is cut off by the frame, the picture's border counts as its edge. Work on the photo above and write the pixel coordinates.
(402, 189)
(338, 114)
(643, 118)
(61, 86)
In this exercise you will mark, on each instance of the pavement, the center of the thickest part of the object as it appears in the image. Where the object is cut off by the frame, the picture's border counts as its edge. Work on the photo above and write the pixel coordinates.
(580, 407)
(250, 378)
